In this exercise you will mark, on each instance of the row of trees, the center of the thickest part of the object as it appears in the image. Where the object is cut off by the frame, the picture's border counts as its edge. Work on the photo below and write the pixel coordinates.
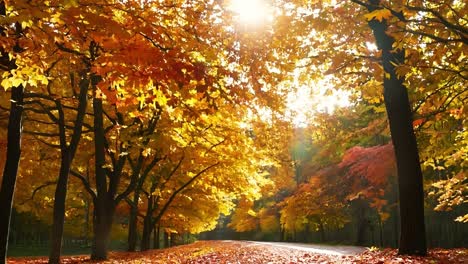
(153, 105)
(167, 96)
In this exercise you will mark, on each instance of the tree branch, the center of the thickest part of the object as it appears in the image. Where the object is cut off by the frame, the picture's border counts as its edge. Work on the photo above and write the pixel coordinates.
(181, 188)
(85, 183)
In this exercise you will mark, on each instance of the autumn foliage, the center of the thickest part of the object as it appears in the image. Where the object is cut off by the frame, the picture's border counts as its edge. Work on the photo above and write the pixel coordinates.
(140, 120)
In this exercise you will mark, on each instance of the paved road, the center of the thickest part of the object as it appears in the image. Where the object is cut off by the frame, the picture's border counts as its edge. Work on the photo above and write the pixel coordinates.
(315, 248)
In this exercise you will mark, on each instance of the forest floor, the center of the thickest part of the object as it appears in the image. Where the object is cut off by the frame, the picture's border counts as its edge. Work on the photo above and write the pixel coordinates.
(238, 252)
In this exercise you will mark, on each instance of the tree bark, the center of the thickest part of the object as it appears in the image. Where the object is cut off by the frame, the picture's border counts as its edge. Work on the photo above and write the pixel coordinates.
(167, 243)
(59, 209)
(10, 172)
(132, 225)
(147, 226)
(103, 203)
(102, 223)
(156, 243)
(410, 180)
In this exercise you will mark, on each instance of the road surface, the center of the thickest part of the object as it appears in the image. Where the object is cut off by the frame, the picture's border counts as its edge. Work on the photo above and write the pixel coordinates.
(315, 248)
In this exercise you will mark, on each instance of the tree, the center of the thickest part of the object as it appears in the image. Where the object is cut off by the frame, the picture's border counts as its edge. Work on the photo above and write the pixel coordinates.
(11, 167)
(410, 179)
(13, 151)
(315, 205)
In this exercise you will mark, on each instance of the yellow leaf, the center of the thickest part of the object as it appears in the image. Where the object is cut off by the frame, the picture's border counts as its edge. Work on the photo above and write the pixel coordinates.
(252, 213)
(16, 82)
(379, 14)
(6, 84)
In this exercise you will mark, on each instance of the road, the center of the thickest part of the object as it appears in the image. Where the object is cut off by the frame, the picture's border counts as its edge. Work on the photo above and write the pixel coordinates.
(315, 248)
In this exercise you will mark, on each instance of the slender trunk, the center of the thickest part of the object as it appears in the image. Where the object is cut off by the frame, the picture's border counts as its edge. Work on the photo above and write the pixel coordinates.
(87, 212)
(166, 240)
(67, 156)
(322, 231)
(86, 225)
(172, 238)
(132, 225)
(59, 209)
(147, 226)
(10, 172)
(156, 243)
(380, 232)
(410, 183)
(103, 204)
(152, 209)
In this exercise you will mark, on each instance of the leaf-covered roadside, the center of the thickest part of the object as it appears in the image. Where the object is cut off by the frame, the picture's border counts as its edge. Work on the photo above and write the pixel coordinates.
(245, 252)
(389, 256)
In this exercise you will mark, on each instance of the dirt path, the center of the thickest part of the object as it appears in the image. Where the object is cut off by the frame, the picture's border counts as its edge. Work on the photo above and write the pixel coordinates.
(315, 248)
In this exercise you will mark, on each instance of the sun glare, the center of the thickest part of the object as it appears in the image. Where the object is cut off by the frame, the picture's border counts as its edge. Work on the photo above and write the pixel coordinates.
(305, 102)
(252, 12)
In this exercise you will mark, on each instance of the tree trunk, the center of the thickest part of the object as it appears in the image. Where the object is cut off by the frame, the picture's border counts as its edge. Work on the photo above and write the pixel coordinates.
(59, 209)
(67, 155)
(156, 243)
(103, 203)
(103, 218)
(147, 226)
(360, 215)
(322, 231)
(86, 225)
(166, 240)
(410, 184)
(132, 226)
(396, 226)
(10, 172)
(380, 233)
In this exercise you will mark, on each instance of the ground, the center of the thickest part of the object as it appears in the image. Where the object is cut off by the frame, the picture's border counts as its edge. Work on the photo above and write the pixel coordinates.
(238, 252)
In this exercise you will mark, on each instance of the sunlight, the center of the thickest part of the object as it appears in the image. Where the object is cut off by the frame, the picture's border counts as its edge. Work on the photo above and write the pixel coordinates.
(251, 12)
(371, 46)
(317, 97)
